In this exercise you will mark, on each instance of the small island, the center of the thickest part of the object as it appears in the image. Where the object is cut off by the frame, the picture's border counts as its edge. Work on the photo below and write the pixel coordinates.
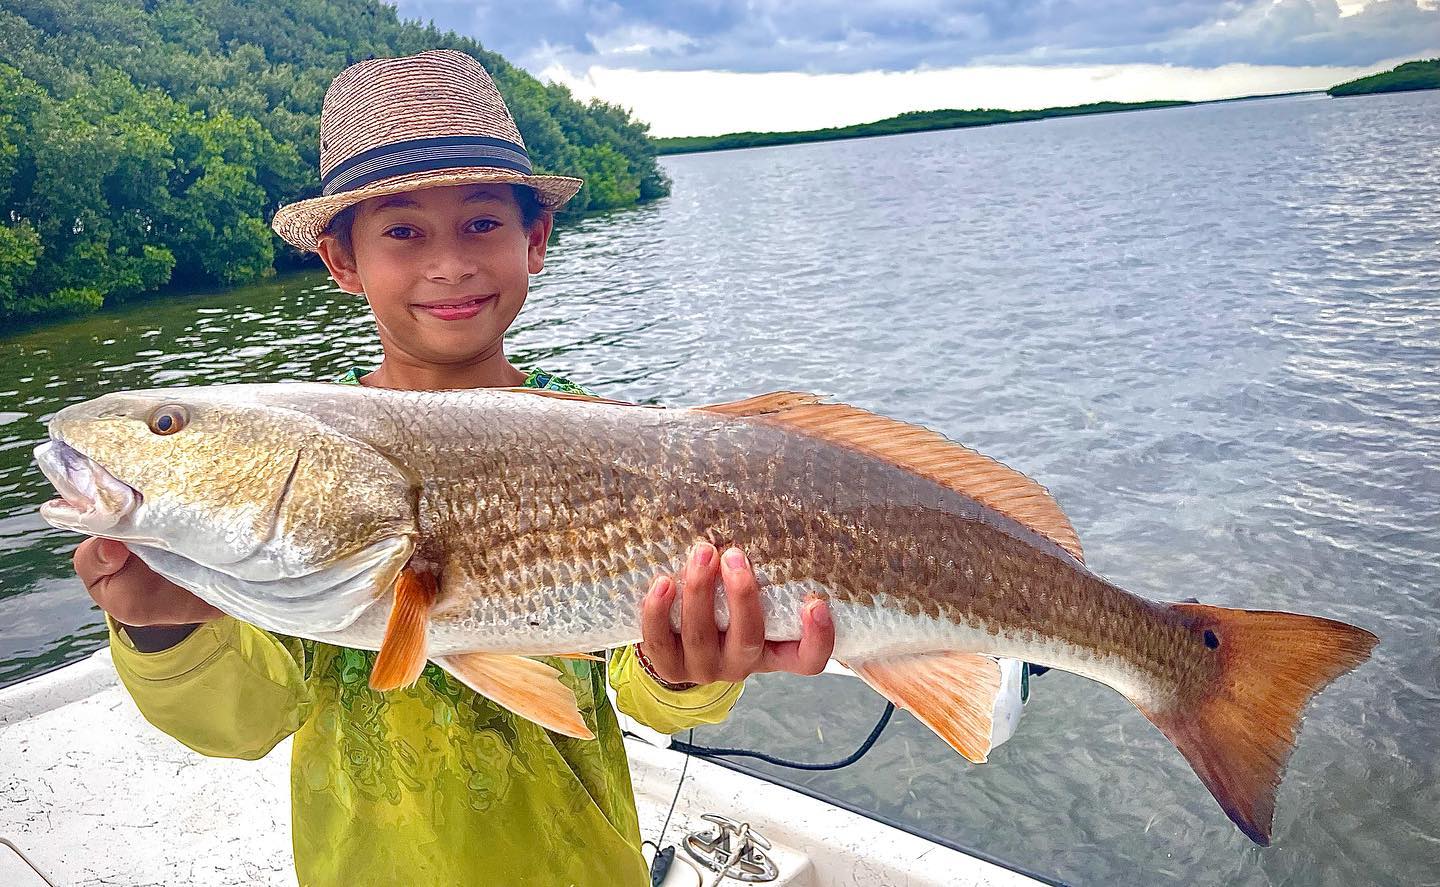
(911, 121)
(1423, 74)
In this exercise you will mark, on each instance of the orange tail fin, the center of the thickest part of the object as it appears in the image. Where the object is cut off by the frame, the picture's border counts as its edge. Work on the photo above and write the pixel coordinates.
(1238, 733)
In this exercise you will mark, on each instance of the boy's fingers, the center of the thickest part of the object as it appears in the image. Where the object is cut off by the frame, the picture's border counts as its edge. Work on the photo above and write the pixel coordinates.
(97, 558)
(122, 594)
(817, 639)
(697, 615)
(136, 596)
(778, 656)
(123, 586)
(808, 655)
(662, 647)
(745, 637)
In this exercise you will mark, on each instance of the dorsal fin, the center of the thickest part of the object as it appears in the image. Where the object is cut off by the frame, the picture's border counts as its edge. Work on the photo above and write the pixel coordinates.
(765, 404)
(925, 452)
(566, 395)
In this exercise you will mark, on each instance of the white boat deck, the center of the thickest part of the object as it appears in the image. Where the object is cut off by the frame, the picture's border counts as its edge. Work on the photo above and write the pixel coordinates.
(93, 795)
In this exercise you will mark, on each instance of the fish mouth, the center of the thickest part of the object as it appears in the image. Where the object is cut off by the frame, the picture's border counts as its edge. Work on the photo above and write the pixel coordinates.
(92, 500)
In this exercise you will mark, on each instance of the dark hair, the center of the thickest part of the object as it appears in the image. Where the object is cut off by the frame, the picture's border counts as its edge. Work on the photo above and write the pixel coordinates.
(341, 224)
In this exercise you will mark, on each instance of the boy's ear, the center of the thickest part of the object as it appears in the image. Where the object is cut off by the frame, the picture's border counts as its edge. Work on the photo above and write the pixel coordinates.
(341, 264)
(539, 235)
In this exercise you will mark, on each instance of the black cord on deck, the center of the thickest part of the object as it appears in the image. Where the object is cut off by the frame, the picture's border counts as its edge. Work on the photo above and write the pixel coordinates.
(706, 751)
(660, 842)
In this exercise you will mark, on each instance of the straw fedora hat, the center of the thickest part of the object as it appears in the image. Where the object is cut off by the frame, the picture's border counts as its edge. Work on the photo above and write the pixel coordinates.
(404, 124)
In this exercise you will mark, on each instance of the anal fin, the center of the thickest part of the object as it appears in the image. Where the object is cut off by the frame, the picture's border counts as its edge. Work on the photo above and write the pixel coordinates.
(530, 689)
(402, 651)
(951, 693)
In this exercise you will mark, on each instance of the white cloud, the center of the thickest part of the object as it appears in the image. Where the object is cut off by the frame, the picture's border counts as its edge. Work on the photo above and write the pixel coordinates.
(678, 103)
(638, 40)
(842, 36)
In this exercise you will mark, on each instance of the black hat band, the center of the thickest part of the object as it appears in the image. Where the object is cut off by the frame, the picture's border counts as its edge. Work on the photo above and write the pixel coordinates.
(424, 155)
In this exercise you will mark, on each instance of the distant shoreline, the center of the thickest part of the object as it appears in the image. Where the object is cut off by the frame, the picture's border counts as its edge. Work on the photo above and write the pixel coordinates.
(928, 121)
(1409, 77)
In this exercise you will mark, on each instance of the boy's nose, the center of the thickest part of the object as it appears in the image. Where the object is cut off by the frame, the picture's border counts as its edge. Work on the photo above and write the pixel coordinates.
(451, 263)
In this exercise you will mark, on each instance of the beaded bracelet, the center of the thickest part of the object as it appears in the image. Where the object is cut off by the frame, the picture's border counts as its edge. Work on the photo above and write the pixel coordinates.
(650, 670)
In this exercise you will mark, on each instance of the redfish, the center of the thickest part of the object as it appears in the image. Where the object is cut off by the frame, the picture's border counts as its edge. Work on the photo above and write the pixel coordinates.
(478, 529)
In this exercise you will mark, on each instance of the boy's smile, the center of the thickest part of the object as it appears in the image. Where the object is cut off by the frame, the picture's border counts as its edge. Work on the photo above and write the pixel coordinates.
(445, 271)
(457, 310)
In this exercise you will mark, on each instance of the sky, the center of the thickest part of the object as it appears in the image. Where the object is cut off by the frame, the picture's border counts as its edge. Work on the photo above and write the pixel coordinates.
(703, 67)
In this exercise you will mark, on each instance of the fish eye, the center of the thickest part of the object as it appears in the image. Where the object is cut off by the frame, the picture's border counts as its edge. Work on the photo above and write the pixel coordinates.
(1212, 640)
(168, 419)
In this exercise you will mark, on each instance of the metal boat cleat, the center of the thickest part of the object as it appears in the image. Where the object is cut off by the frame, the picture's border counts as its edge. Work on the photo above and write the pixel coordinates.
(733, 849)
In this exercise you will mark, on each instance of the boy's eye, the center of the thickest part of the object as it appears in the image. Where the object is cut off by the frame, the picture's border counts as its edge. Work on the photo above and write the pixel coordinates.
(484, 225)
(405, 232)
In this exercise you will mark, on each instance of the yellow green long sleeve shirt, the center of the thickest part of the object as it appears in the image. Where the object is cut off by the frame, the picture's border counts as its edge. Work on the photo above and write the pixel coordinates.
(427, 785)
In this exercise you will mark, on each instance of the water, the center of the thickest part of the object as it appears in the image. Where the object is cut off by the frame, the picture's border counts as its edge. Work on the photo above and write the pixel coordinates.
(1213, 332)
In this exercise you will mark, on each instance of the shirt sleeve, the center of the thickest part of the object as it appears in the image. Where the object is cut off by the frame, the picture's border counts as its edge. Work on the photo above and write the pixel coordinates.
(228, 690)
(668, 711)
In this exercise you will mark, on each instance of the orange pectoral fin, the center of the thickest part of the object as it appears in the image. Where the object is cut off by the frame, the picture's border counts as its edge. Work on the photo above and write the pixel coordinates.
(587, 657)
(951, 693)
(531, 689)
(402, 652)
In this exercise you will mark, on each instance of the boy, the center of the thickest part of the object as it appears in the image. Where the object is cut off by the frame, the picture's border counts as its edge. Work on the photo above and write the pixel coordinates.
(430, 210)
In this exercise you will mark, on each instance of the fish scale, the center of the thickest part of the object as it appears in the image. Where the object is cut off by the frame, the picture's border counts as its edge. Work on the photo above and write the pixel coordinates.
(851, 565)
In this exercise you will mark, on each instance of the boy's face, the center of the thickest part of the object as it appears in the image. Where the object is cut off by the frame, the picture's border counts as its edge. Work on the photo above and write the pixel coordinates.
(445, 270)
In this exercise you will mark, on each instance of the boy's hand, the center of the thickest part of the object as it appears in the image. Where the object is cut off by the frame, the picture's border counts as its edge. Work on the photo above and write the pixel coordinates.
(134, 594)
(700, 653)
